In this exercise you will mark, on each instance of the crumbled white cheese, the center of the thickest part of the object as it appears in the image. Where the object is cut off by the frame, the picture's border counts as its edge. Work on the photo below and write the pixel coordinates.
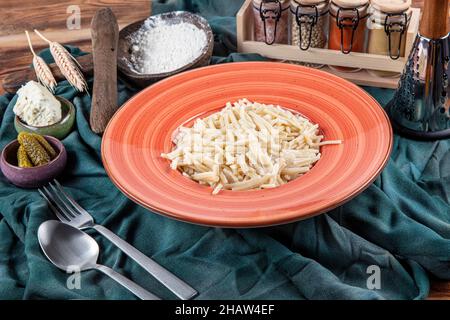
(37, 106)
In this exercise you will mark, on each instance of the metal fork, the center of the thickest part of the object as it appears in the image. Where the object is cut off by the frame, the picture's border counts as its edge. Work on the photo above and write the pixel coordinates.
(69, 211)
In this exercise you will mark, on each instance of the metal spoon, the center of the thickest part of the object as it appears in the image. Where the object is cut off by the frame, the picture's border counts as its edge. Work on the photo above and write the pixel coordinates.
(68, 247)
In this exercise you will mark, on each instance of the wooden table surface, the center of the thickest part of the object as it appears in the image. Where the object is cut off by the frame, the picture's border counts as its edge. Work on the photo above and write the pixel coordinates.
(56, 19)
(16, 58)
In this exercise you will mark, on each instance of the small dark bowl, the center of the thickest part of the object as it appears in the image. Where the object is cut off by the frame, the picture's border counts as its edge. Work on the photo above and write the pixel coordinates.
(36, 176)
(144, 80)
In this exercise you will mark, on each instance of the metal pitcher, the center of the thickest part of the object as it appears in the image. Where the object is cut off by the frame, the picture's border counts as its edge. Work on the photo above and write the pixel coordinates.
(421, 105)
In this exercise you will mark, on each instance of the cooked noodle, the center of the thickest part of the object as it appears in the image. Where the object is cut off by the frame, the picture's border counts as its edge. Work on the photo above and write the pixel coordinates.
(247, 145)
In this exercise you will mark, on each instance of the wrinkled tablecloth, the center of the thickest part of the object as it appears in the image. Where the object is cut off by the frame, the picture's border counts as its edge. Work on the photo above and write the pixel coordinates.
(398, 229)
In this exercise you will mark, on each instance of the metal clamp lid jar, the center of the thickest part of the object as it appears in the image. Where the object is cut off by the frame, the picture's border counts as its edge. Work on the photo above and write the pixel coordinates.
(271, 21)
(387, 26)
(347, 25)
(309, 23)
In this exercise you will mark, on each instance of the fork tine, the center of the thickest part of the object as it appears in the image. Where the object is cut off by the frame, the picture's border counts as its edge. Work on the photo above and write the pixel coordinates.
(58, 214)
(68, 214)
(69, 198)
(61, 203)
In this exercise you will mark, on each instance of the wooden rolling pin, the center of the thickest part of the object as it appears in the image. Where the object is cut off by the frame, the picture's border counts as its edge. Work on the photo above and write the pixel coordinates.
(435, 22)
(15, 80)
(105, 39)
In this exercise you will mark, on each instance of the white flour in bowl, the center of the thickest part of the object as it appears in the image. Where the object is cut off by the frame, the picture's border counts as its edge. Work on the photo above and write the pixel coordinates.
(160, 46)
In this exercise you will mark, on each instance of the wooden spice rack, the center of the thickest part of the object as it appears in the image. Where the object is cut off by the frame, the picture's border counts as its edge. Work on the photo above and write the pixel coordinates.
(246, 44)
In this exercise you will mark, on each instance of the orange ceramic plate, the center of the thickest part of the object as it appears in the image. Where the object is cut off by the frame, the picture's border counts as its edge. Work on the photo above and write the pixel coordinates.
(143, 128)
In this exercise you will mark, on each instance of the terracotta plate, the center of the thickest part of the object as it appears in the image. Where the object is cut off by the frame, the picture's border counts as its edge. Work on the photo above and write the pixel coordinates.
(143, 127)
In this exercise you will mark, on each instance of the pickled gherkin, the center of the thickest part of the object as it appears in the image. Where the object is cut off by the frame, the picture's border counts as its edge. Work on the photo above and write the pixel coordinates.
(35, 151)
(50, 151)
(22, 158)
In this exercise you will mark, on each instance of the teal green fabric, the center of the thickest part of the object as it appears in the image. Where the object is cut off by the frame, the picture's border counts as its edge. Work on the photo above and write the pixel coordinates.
(400, 224)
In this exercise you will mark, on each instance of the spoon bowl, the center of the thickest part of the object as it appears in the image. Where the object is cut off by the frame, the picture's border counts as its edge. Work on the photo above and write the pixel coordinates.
(66, 246)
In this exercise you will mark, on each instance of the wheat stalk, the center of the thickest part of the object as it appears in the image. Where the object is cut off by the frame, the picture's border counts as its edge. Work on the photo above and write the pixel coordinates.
(42, 70)
(67, 64)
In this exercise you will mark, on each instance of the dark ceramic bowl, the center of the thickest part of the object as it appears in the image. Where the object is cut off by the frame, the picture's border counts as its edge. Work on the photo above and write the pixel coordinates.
(144, 80)
(58, 130)
(36, 176)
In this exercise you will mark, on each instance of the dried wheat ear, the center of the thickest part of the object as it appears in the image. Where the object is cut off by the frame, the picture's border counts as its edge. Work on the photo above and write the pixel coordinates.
(42, 70)
(67, 64)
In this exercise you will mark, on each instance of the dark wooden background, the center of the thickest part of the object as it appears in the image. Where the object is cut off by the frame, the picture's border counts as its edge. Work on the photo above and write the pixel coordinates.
(50, 16)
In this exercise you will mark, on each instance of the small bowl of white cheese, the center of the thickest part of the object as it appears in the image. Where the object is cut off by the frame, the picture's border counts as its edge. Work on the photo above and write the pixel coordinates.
(164, 45)
(39, 111)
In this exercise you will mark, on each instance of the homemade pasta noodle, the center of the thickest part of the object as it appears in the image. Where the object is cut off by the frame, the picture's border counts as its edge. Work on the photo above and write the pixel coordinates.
(247, 145)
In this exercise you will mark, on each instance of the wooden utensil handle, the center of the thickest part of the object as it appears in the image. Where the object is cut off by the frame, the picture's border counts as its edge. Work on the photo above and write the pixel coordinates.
(435, 24)
(105, 38)
(15, 80)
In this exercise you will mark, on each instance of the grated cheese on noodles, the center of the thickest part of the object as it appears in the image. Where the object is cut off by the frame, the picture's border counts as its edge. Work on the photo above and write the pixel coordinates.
(247, 145)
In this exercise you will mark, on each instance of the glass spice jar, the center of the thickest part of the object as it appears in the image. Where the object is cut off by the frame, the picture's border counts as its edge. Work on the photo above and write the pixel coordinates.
(387, 25)
(348, 27)
(271, 21)
(309, 26)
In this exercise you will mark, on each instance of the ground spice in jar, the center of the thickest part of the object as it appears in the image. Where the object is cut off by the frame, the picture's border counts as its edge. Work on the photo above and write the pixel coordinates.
(348, 27)
(387, 27)
(271, 21)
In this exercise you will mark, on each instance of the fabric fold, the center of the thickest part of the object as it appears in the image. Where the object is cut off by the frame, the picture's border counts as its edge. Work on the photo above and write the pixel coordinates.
(397, 229)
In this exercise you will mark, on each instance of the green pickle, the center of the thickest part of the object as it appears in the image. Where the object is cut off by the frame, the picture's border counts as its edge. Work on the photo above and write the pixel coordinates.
(35, 151)
(51, 152)
(22, 158)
